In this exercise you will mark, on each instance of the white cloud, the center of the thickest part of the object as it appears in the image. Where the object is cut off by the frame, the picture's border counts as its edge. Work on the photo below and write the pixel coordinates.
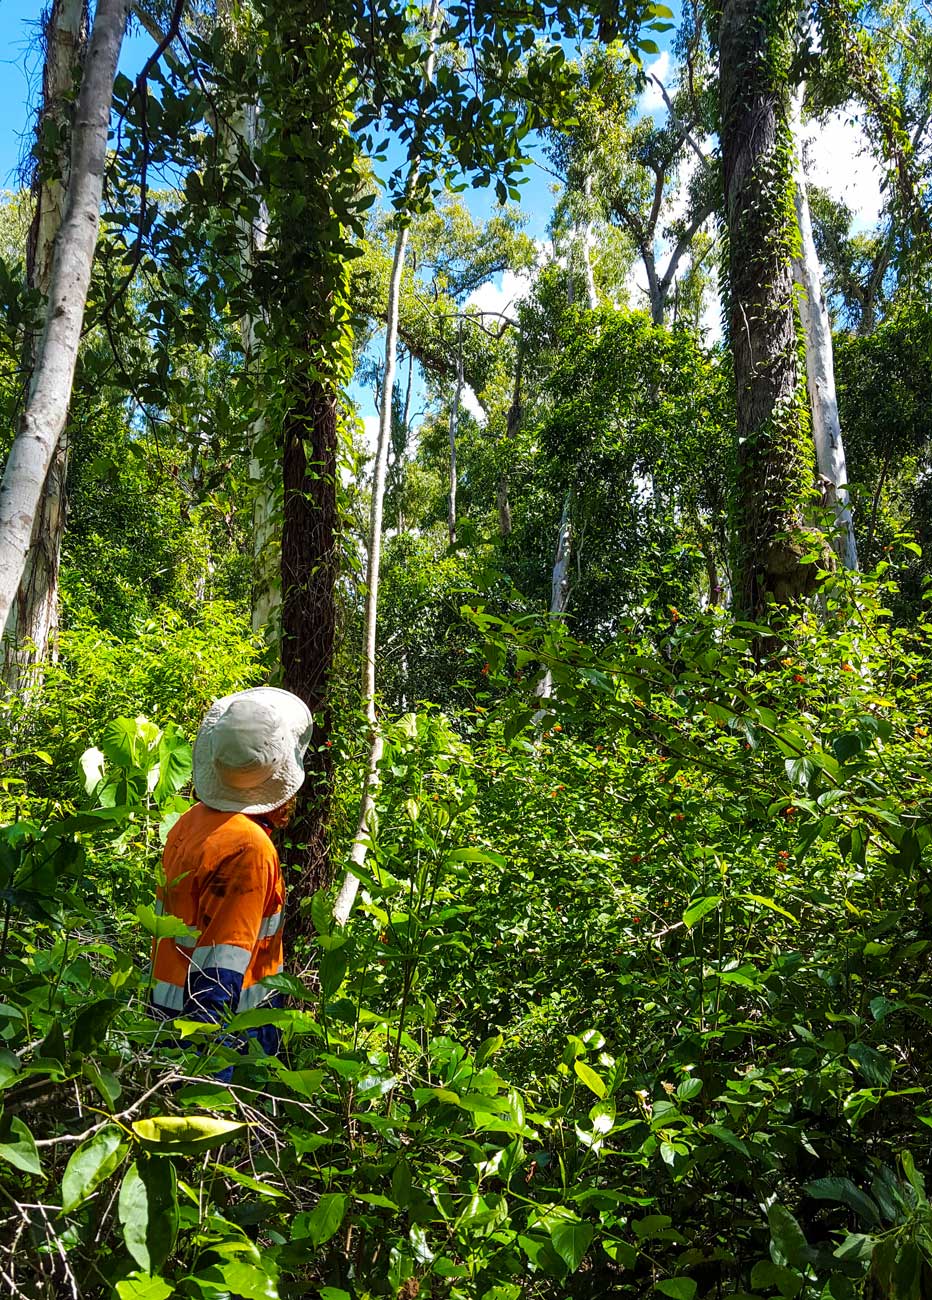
(472, 404)
(501, 296)
(651, 101)
(370, 433)
(837, 159)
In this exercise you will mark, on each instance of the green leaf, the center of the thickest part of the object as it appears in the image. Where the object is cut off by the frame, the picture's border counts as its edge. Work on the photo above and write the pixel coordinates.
(148, 1212)
(324, 1220)
(18, 1147)
(140, 1286)
(91, 1163)
(680, 1288)
(332, 969)
(90, 1028)
(876, 1069)
(254, 1184)
(688, 1089)
(788, 1236)
(844, 1191)
(699, 909)
(590, 1079)
(774, 907)
(165, 926)
(571, 1240)
(248, 1281)
(185, 1134)
(766, 1274)
(306, 1083)
(322, 911)
(175, 763)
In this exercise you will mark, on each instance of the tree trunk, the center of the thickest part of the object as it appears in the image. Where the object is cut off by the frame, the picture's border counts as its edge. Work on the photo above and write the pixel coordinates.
(50, 390)
(820, 366)
(347, 894)
(559, 589)
(513, 424)
(309, 566)
(454, 429)
(755, 48)
(33, 619)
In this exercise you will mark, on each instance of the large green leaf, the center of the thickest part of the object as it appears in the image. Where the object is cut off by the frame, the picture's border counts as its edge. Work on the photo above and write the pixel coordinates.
(325, 1219)
(148, 1212)
(185, 1134)
(844, 1191)
(92, 1162)
(90, 1028)
(571, 1239)
(788, 1236)
(680, 1288)
(702, 907)
(174, 763)
(876, 1069)
(140, 1286)
(18, 1147)
(589, 1077)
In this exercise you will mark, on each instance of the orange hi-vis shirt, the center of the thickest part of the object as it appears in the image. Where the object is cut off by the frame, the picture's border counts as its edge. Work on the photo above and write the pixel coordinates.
(223, 878)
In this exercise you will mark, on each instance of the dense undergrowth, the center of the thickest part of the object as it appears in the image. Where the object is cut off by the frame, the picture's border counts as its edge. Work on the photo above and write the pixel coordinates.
(635, 1002)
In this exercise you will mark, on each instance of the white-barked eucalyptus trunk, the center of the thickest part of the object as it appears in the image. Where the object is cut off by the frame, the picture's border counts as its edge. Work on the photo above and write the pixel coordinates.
(43, 419)
(366, 823)
(32, 624)
(820, 365)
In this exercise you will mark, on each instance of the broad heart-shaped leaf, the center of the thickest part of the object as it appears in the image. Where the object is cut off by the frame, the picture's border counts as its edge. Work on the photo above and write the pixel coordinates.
(248, 1280)
(571, 1240)
(174, 763)
(844, 1191)
(788, 1236)
(148, 1211)
(93, 1161)
(590, 1079)
(325, 1219)
(90, 1028)
(876, 1069)
(140, 1286)
(680, 1288)
(18, 1147)
(166, 926)
(184, 1134)
(702, 907)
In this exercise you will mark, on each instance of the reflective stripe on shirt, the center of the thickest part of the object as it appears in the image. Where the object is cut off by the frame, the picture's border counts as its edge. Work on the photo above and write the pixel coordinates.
(255, 995)
(271, 925)
(225, 955)
(170, 997)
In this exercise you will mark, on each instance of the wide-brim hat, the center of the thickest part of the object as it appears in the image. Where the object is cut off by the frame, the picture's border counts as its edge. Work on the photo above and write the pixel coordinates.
(249, 751)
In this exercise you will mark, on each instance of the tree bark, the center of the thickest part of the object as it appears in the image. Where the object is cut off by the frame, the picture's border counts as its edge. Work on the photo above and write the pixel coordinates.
(755, 48)
(309, 568)
(513, 424)
(559, 589)
(50, 390)
(454, 429)
(820, 365)
(29, 636)
(348, 890)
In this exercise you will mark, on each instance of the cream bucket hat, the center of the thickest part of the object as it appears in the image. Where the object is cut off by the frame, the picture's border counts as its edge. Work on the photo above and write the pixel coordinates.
(249, 751)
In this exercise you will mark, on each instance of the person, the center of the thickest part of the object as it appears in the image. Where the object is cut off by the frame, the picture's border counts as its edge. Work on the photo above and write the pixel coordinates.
(222, 875)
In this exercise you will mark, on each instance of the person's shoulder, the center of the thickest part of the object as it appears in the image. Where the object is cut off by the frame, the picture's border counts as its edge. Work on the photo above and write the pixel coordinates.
(233, 832)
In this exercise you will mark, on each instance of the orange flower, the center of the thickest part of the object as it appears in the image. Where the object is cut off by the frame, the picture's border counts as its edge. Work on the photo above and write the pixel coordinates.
(798, 677)
(485, 670)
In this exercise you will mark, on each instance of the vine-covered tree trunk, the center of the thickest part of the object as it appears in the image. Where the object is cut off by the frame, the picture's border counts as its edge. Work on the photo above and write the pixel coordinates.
(309, 572)
(820, 365)
(50, 390)
(755, 50)
(33, 619)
